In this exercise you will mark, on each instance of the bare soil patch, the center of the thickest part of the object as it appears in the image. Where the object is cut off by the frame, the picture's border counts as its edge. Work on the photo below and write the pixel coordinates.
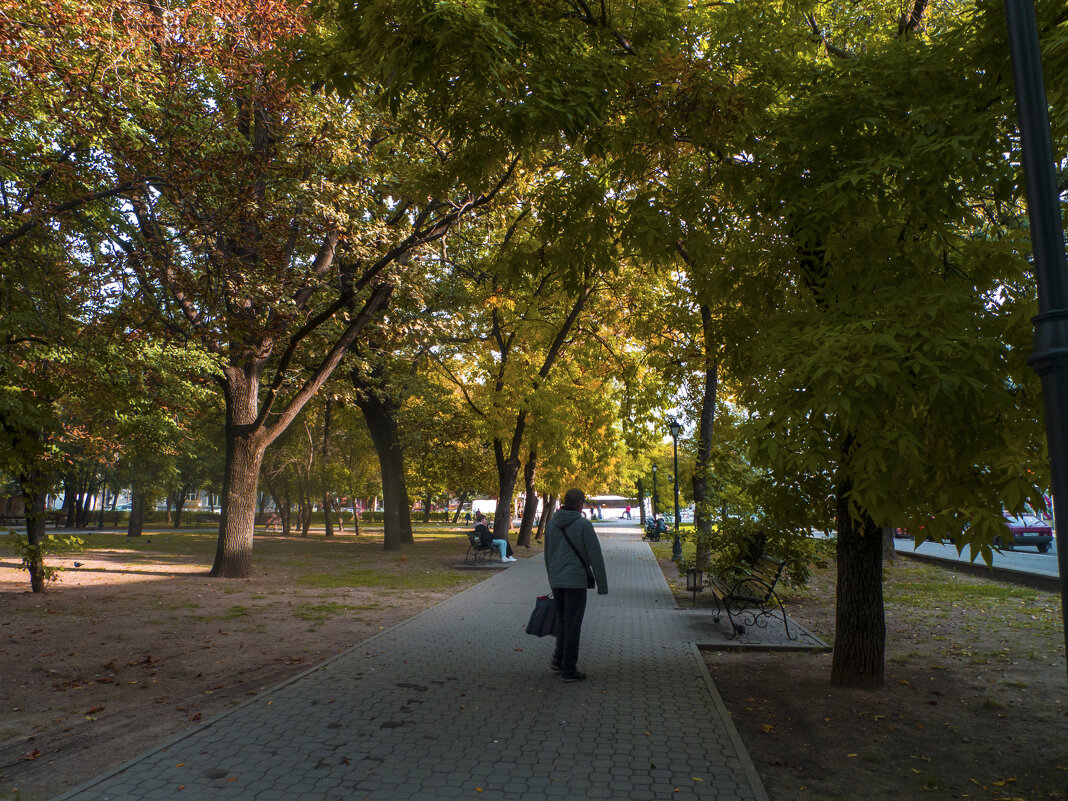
(974, 705)
(136, 643)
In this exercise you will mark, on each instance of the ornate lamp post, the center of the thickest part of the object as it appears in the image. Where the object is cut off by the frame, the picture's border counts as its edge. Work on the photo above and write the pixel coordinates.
(676, 428)
(1050, 358)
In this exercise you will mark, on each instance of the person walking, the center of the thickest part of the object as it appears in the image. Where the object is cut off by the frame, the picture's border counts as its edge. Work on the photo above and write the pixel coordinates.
(575, 564)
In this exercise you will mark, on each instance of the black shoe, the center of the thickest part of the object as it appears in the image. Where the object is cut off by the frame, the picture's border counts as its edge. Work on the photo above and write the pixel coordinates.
(554, 666)
(574, 675)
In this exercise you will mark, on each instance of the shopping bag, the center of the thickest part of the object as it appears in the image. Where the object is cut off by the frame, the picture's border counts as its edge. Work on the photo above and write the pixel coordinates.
(543, 618)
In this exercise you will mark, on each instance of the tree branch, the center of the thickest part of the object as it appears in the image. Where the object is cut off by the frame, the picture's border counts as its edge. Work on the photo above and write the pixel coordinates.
(379, 296)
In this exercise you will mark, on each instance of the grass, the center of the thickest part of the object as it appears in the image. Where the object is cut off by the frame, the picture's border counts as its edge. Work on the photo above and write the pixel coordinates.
(425, 580)
(319, 613)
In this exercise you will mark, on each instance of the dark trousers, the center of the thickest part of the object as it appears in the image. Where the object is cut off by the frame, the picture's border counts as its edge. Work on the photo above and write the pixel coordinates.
(570, 609)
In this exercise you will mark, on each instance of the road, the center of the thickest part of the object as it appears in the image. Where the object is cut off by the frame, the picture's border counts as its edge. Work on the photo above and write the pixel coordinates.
(1026, 558)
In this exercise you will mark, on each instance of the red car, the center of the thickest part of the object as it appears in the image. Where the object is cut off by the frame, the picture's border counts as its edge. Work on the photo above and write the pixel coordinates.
(1026, 529)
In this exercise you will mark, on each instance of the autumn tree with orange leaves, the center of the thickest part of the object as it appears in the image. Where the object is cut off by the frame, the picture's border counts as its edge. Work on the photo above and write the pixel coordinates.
(255, 220)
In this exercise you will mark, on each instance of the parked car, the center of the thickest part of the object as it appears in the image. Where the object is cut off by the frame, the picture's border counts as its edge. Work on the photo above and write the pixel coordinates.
(1026, 529)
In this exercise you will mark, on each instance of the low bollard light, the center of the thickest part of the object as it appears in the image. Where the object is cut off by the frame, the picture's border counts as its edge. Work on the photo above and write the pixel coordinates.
(695, 582)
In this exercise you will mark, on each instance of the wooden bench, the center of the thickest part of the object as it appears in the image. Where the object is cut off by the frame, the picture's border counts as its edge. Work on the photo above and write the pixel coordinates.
(476, 551)
(748, 593)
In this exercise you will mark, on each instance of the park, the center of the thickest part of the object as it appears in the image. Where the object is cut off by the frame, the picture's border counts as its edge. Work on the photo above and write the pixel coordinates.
(301, 283)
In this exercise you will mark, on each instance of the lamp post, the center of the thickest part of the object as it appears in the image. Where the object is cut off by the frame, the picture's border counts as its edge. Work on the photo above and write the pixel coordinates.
(656, 500)
(1050, 357)
(676, 428)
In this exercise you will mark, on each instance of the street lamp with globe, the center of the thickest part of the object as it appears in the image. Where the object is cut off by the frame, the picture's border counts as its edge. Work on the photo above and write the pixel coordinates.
(676, 428)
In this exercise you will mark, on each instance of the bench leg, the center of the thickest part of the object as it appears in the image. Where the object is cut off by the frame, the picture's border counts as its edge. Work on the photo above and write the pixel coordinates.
(785, 622)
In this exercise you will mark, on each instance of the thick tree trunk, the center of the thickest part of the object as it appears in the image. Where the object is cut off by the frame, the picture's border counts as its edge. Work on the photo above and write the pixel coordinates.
(427, 503)
(701, 495)
(641, 502)
(507, 475)
(32, 485)
(860, 624)
(241, 474)
(530, 506)
(136, 526)
(889, 551)
(379, 413)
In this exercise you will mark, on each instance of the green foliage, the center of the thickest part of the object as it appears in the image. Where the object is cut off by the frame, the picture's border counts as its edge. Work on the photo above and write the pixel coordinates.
(51, 545)
(736, 541)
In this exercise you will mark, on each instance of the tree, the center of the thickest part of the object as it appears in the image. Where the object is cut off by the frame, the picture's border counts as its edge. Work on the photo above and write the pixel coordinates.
(891, 368)
(260, 220)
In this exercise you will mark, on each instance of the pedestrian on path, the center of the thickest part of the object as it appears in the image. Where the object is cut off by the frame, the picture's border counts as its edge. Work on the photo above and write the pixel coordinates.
(574, 563)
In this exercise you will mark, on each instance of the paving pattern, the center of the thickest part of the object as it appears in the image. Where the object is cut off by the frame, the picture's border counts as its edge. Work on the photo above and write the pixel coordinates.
(459, 703)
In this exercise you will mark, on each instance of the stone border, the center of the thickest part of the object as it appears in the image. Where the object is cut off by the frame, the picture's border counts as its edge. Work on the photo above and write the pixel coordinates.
(748, 767)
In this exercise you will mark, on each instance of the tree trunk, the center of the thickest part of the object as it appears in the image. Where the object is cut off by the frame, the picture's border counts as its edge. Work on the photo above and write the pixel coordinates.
(336, 508)
(304, 510)
(530, 507)
(286, 513)
(379, 413)
(701, 495)
(33, 499)
(68, 501)
(241, 473)
(889, 551)
(103, 500)
(427, 502)
(548, 507)
(179, 504)
(641, 502)
(860, 625)
(327, 506)
(136, 526)
(460, 501)
(507, 474)
(83, 502)
(170, 503)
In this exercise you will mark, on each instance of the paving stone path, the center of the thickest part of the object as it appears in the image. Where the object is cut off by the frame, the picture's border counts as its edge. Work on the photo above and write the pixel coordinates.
(459, 703)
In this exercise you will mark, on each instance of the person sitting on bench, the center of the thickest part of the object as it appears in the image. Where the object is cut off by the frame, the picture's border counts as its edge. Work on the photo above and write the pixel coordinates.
(484, 535)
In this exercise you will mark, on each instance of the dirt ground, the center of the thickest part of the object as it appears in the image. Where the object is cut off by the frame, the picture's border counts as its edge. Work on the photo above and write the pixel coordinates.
(974, 705)
(135, 643)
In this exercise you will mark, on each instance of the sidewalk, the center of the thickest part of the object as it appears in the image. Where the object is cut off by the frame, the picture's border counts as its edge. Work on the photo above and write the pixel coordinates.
(459, 703)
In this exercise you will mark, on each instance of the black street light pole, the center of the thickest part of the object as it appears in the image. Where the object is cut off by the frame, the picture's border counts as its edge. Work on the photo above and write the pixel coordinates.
(676, 429)
(656, 500)
(1050, 358)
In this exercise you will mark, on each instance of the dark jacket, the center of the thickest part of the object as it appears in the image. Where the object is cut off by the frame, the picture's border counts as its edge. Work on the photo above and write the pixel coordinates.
(565, 570)
(485, 537)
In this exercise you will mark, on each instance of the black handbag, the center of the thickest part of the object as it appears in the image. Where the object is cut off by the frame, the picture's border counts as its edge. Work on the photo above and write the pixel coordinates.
(590, 581)
(543, 619)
